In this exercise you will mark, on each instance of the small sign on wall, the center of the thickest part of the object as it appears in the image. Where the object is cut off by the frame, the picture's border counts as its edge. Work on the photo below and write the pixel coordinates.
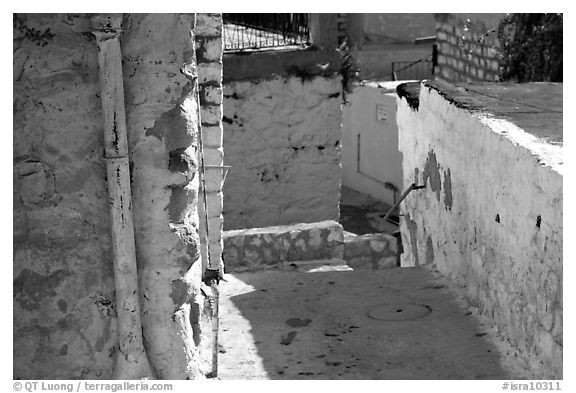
(381, 112)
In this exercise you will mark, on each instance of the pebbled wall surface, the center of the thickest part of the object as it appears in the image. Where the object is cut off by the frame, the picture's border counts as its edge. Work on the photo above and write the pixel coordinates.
(490, 217)
(282, 138)
(64, 304)
(64, 307)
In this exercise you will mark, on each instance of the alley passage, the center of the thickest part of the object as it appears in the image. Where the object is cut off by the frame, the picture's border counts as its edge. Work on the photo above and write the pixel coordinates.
(401, 323)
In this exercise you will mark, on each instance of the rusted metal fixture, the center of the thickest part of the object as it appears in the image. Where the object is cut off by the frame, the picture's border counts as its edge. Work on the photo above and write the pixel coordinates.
(412, 186)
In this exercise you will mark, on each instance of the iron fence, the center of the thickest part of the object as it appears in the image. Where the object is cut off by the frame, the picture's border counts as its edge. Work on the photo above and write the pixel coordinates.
(413, 70)
(256, 31)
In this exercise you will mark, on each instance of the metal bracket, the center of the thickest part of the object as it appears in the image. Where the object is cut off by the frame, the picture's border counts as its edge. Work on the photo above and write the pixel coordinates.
(226, 168)
(412, 186)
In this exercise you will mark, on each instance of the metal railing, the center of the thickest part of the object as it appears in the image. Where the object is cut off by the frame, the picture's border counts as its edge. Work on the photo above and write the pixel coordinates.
(417, 70)
(256, 31)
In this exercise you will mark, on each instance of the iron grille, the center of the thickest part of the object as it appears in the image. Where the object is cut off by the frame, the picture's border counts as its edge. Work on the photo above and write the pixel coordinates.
(255, 31)
(413, 70)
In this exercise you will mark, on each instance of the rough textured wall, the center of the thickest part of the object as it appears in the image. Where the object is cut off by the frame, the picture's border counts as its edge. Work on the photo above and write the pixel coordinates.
(282, 139)
(64, 304)
(467, 51)
(162, 116)
(208, 35)
(259, 248)
(490, 217)
(64, 308)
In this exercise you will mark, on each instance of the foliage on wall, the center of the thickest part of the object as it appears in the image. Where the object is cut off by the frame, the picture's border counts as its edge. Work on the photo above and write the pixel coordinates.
(531, 47)
(349, 69)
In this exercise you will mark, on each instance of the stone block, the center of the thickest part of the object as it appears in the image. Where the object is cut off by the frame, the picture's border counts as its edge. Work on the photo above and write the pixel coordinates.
(211, 114)
(214, 204)
(212, 136)
(212, 49)
(387, 262)
(214, 181)
(210, 73)
(208, 25)
(213, 156)
(374, 251)
(480, 74)
(212, 95)
(275, 245)
(360, 262)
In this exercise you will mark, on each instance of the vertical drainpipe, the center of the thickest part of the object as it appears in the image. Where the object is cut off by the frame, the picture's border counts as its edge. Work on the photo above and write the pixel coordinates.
(132, 362)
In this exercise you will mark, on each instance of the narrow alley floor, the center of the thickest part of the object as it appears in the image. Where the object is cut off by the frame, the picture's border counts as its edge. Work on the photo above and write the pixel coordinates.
(401, 323)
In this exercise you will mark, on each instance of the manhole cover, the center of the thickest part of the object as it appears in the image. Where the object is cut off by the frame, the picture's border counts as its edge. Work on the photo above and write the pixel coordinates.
(399, 311)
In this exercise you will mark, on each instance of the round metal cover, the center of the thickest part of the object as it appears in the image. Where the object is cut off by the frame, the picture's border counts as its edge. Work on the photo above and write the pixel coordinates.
(399, 311)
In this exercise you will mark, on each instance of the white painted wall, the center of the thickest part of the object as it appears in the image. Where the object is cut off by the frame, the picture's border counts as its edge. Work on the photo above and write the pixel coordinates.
(371, 115)
(282, 138)
(477, 167)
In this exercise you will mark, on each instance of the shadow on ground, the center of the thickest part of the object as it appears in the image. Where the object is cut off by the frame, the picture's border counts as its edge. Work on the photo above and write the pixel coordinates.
(361, 214)
(280, 324)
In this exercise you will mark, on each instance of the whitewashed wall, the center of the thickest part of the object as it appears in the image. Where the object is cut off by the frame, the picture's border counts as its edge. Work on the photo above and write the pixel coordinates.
(490, 218)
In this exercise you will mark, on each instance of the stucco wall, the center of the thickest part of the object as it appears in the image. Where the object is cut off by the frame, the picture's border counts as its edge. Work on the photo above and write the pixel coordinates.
(490, 218)
(370, 155)
(64, 304)
(64, 309)
(282, 139)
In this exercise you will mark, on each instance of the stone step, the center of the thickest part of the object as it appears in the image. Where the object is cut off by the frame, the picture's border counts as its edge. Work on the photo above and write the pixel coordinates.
(257, 248)
(296, 245)
(373, 251)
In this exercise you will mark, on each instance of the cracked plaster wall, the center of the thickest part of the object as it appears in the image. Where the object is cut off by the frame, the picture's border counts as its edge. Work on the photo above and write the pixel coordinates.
(64, 305)
(490, 218)
(64, 309)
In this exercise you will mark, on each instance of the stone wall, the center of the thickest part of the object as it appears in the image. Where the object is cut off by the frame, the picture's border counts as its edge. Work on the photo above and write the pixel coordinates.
(65, 322)
(64, 308)
(467, 50)
(282, 128)
(260, 248)
(282, 139)
(490, 216)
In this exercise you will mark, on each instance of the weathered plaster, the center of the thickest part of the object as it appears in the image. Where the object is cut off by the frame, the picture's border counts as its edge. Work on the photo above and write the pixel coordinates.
(64, 307)
(162, 117)
(282, 139)
(497, 230)
(64, 312)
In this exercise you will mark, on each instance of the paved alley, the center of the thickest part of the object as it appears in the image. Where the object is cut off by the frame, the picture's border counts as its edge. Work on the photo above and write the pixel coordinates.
(401, 323)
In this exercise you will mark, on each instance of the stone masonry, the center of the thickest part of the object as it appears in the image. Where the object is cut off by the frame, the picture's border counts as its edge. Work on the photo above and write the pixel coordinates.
(209, 56)
(467, 51)
(257, 248)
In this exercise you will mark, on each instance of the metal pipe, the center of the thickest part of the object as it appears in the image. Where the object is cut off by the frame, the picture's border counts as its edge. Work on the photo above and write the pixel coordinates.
(412, 186)
(132, 362)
